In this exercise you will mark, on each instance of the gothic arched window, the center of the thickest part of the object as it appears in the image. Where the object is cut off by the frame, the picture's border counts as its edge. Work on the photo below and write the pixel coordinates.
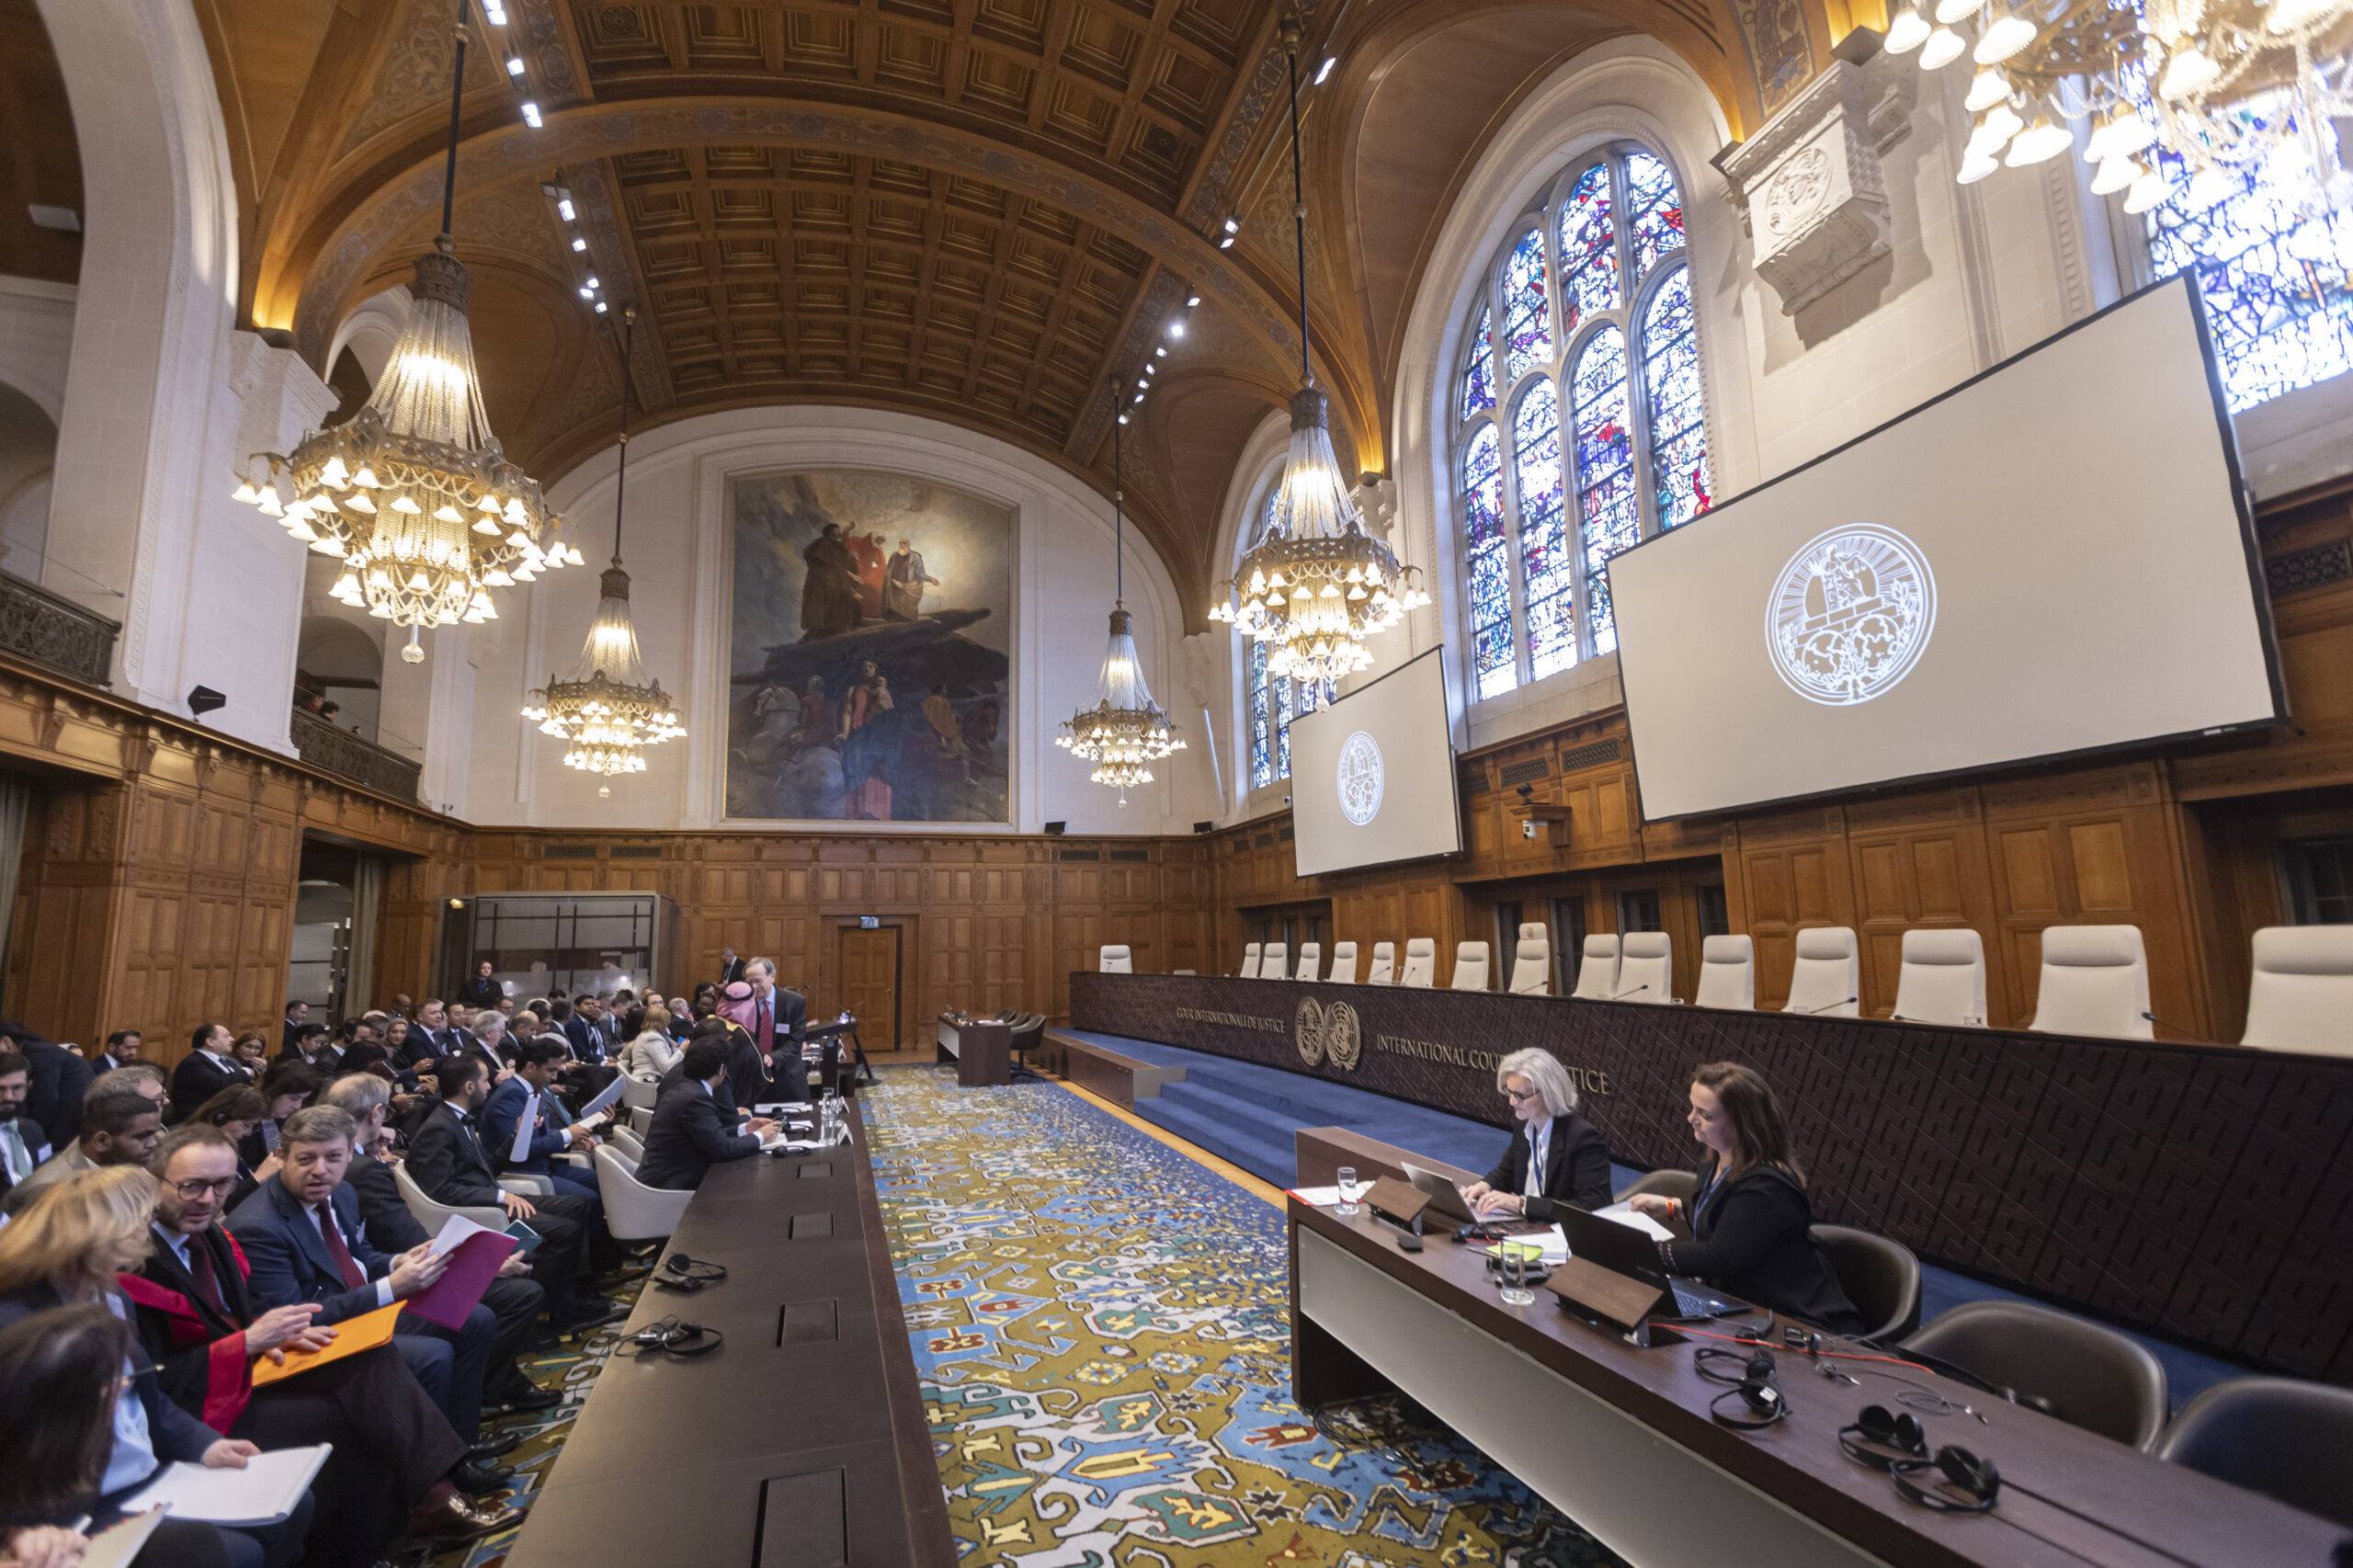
(1273, 702)
(1582, 430)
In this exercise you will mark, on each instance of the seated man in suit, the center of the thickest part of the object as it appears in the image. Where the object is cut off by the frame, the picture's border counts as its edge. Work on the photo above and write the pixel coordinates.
(119, 1126)
(209, 1066)
(302, 1235)
(690, 1135)
(23, 1145)
(514, 1297)
(397, 1461)
(448, 1160)
(529, 1092)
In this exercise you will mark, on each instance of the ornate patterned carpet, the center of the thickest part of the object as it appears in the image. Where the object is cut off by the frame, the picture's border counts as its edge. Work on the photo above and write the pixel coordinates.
(1101, 1327)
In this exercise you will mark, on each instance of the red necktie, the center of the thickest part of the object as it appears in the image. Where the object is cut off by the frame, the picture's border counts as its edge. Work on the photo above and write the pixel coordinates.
(352, 1277)
(200, 1263)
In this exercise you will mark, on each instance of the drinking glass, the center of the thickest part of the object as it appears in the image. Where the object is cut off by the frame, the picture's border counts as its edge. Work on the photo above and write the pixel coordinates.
(1346, 1179)
(1514, 1262)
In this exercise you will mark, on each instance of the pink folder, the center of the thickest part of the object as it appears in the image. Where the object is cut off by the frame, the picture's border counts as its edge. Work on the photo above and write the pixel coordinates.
(473, 1264)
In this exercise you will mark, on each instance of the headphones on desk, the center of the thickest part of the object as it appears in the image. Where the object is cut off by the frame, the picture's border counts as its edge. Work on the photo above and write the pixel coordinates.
(685, 1275)
(1882, 1440)
(1955, 1482)
(669, 1336)
(1752, 1399)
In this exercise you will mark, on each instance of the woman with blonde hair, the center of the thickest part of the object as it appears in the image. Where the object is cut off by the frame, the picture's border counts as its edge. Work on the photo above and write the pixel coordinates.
(1556, 1156)
(652, 1052)
(65, 1250)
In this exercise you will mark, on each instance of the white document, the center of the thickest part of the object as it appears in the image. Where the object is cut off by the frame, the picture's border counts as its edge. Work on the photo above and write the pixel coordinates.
(1552, 1245)
(612, 1092)
(1625, 1215)
(119, 1544)
(1316, 1196)
(525, 1125)
(453, 1234)
(269, 1489)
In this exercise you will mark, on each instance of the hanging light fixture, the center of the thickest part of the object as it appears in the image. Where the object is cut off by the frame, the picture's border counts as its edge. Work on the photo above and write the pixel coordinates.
(611, 710)
(1314, 584)
(1125, 732)
(413, 494)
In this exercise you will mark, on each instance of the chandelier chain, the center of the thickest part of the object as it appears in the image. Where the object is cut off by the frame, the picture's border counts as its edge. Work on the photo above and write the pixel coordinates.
(457, 103)
(1298, 193)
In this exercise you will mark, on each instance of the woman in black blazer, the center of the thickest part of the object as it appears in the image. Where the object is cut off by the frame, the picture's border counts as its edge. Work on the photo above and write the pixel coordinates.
(1575, 1166)
(1750, 1219)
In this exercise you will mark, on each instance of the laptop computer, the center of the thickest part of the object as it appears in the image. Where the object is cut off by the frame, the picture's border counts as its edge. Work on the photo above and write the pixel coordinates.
(1622, 1249)
(1444, 1196)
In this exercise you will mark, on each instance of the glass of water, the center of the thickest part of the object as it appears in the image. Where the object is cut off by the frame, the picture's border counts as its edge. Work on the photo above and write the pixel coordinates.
(1346, 1179)
(1513, 1264)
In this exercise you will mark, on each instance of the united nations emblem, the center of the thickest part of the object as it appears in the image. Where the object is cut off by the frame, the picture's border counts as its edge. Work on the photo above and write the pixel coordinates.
(1321, 1030)
(1850, 614)
(1360, 778)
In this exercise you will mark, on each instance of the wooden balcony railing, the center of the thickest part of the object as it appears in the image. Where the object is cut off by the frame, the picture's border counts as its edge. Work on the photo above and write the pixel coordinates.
(357, 761)
(39, 626)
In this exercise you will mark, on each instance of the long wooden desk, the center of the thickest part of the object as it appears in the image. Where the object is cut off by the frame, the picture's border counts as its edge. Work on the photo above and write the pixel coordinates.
(2201, 1192)
(1620, 1439)
(800, 1442)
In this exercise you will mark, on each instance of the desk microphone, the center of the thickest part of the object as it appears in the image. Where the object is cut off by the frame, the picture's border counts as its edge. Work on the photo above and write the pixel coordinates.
(1824, 1007)
(1637, 991)
(2155, 1022)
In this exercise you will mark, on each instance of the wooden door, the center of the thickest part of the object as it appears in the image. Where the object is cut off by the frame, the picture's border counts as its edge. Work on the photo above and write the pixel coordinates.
(869, 968)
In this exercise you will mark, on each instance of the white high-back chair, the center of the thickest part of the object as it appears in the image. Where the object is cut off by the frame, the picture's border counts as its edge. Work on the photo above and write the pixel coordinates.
(2301, 997)
(2094, 981)
(1943, 978)
(1276, 965)
(1470, 965)
(1384, 964)
(1531, 962)
(1421, 962)
(1115, 959)
(1311, 959)
(1727, 972)
(1598, 968)
(1344, 963)
(634, 1211)
(1249, 970)
(1826, 980)
(1645, 967)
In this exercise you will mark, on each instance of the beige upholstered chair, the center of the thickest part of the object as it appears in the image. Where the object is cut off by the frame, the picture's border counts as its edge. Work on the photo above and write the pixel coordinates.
(1471, 966)
(1385, 965)
(1344, 963)
(1826, 980)
(634, 1211)
(1276, 963)
(640, 1092)
(1421, 962)
(2301, 997)
(1943, 977)
(1115, 959)
(1531, 962)
(1727, 972)
(1598, 968)
(1645, 967)
(1310, 961)
(433, 1216)
(1249, 970)
(2094, 981)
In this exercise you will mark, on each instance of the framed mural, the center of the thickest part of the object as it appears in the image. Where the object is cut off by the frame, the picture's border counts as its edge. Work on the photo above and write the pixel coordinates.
(869, 649)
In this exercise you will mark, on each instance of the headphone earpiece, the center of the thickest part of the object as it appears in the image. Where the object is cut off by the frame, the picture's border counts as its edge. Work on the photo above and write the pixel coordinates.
(1761, 1404)
(1956, 1469)
(1883, 1439)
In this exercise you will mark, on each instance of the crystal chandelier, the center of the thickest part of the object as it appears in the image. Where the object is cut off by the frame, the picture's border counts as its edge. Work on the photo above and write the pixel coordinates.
(611, 710)
(1125, 732)
(1314, 584)
(413, 494)
(2216, 84)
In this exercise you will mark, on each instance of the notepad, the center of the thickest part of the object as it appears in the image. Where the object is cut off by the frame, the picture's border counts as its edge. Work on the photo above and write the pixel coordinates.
(352, 1336)
(266, 1491)
(1552, 1245)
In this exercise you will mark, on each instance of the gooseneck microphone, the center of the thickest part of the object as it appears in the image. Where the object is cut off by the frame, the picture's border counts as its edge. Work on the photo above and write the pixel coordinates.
(1823, 1008)
(1637, 991)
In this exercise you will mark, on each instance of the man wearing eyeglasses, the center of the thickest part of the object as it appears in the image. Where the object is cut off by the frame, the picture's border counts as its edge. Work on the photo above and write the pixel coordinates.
(398, 1466)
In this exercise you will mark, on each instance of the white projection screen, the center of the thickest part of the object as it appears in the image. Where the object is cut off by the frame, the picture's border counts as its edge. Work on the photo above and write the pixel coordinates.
(2054, 558)
(1372, 775)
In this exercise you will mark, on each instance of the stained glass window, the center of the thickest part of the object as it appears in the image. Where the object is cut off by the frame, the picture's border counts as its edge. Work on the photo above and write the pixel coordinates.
(1681, 487)
(1262, 747)
(2274, 265)
(1606, 440)
(1275, 702)
(1527, 307)
(1479, 372)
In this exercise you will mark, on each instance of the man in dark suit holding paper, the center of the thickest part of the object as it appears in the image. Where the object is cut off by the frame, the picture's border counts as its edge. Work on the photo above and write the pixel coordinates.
(398, 1466)
(525, 1094)
(302, 1235)
(688, 1135)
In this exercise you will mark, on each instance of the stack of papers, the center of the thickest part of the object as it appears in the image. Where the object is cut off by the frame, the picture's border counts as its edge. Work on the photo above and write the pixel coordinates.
(1551, 1246)
(1325, 1197)
(268, 1490)
(1642, 1223)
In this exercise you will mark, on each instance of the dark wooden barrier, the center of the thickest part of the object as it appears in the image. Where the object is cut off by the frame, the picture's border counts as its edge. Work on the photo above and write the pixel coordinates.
(2204, 1192)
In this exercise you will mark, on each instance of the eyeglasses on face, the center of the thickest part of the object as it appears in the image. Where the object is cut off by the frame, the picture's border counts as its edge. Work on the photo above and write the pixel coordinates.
(196, 1187)
(1520, 1097)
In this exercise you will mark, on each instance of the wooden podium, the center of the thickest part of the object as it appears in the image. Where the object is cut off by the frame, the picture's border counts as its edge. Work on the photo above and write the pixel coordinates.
(982, 1050)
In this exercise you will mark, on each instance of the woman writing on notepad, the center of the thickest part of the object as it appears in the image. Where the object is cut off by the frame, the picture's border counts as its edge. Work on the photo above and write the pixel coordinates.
(1750, 1219)
(1554, 1157)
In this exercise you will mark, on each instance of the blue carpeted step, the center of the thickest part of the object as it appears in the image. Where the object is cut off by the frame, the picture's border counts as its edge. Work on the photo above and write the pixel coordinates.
(1269, 1159)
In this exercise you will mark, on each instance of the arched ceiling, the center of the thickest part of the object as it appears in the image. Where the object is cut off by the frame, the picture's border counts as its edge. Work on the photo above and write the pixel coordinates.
(981, 211)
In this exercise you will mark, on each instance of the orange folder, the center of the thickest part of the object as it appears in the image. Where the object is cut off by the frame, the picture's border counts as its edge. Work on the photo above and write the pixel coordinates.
(352, 1336)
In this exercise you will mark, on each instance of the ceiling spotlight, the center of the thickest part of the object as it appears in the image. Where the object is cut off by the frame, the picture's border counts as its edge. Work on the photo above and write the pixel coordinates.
(531, 115)
(593, 283)
(514, 66)
(1123, 419)
(1325, 70)
(1226, 244)
(579, 244)
(564, 208)
(1191, 301)
(1176, 329)
(1233, 225)
(600, 307)
(588, 294)
(1161, 352)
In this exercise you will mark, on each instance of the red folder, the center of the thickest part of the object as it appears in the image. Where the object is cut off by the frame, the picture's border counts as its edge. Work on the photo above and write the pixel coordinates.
(473, 1264)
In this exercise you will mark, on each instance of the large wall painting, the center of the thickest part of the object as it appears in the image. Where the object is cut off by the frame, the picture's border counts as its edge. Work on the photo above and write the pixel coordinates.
(869, 649)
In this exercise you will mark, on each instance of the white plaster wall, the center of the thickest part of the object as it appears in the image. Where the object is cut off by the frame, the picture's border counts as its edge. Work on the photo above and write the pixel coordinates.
(677, 551)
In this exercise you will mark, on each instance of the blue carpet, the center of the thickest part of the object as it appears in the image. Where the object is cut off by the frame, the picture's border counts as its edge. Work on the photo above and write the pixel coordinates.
(1249, 1115)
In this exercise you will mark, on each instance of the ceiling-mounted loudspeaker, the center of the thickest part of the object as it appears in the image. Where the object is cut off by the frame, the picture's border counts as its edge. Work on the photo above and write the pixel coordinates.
(1054, 829)
(204, 699)
(1205, 827)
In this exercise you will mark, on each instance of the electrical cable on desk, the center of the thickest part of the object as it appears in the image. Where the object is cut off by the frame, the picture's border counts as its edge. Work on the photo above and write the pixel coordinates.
(1824, 1354)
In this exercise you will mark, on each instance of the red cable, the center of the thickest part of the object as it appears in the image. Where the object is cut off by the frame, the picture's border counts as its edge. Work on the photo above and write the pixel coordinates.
(1830, 1355)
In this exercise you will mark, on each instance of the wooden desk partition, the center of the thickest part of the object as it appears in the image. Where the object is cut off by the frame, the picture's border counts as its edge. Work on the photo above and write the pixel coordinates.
(2203, 1192)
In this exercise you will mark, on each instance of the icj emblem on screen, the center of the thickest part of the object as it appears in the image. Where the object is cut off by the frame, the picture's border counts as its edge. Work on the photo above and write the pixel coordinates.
(1327, 1029)
(1850, 614)
(1359, 778)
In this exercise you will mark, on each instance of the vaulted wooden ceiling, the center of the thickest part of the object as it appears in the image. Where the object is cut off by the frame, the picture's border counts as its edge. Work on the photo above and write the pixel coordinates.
(979, 210)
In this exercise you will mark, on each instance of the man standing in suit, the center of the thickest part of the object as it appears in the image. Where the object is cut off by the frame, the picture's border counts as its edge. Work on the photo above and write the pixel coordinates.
(394, 1451)
(776, 1018)
(731, 968)
(688, 1136)
(210, 1067)
(56, 1080)
(123, 1048)
(297, 1014)
(303, 1234)
(23, 1145)
(447, 1159)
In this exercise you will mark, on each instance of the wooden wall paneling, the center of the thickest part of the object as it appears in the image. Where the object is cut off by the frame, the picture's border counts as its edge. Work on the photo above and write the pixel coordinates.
(1794, 873)
(1916, 861)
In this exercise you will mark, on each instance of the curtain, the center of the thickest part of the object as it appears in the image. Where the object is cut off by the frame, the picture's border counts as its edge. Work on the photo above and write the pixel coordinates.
(366, 906)
(15, 805)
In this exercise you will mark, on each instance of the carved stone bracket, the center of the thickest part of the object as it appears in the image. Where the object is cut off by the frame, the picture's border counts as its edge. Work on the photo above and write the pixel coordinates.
(1808, 184)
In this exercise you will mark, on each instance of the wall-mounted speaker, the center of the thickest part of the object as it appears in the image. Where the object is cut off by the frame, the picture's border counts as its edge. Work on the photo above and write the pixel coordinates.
(1205, 827)
(204, 699)
(1054, 829)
